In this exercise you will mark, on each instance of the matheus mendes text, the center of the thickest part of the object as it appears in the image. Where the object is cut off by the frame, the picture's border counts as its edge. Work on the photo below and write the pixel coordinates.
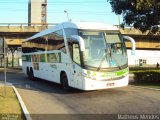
(138, 117)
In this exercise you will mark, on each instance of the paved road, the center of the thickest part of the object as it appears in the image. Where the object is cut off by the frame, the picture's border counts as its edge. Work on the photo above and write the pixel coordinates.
(42, 97)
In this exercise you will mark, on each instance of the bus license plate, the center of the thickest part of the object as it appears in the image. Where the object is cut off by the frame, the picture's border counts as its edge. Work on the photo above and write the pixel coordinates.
(110, 84)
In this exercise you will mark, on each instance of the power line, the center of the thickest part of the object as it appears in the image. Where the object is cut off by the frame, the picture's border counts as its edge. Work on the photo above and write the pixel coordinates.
(57, 2)
(84, 1)
(81, 12)
(60, 11)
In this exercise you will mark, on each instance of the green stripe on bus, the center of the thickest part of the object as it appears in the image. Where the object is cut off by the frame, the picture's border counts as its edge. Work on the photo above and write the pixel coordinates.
(121, 72)
(107, 74)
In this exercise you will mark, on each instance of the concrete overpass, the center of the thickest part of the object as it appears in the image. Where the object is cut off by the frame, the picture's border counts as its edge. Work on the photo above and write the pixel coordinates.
(15, 33)
(143, 40)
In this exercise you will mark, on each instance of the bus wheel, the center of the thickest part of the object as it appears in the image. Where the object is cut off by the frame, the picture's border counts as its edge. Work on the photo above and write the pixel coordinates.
(31, 74)
(64, 81)
(27, 72)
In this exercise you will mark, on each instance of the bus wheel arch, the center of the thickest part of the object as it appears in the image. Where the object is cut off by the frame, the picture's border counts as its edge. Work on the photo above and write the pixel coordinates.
(64, 80)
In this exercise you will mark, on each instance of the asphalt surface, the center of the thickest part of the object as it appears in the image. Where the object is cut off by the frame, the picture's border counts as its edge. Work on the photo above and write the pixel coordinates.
(47, 100)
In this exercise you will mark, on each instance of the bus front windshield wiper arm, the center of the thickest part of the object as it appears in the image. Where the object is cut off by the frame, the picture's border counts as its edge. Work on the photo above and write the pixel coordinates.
(101, 62)
(117, 63)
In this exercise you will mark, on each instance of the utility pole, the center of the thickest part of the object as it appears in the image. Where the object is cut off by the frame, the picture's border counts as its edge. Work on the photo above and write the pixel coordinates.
(3, 56)
(5, 75)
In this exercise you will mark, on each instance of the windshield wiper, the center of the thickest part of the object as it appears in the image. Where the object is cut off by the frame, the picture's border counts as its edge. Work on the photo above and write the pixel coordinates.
(117, 63)
(101, 62)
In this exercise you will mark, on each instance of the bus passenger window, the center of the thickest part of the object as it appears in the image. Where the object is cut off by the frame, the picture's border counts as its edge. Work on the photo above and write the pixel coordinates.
(42, 58)
(51, 57)
(76, 54)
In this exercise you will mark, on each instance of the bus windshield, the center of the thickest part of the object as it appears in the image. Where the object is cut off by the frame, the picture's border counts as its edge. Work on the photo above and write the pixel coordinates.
(103, 49)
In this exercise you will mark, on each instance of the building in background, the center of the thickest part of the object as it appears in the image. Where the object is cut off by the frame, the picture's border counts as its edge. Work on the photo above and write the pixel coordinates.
(147, 48)
(34, 11)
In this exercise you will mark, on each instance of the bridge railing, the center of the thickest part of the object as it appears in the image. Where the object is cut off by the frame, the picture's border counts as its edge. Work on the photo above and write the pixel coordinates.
(28, 24)
(24, 27)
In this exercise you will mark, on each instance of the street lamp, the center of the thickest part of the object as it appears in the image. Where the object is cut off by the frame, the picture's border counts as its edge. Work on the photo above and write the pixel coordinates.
(67, 15)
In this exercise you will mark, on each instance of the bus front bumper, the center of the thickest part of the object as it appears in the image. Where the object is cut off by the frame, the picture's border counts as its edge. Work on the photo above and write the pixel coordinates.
(90, 84)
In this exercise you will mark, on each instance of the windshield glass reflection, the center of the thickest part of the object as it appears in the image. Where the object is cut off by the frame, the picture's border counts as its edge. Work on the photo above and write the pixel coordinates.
(103, 49)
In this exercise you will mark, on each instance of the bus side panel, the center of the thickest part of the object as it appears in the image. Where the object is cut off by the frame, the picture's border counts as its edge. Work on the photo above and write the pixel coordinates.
(40, 70)
(77, 76)
(66, 66)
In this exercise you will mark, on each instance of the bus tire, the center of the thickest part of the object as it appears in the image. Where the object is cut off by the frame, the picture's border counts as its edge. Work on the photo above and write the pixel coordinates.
(64, 81)
(31, 75)
(27, 71)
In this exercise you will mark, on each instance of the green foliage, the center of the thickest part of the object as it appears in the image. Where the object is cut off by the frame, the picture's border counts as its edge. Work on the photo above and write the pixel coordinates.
(142, 14)
(147, 77)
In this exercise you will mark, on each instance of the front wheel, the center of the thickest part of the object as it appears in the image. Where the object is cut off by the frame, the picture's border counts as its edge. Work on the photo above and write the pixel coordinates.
(64, 82)
(27, 71)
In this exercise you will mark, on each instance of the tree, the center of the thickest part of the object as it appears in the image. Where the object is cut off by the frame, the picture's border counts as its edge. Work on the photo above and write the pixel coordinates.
(142, 14)
(12, 49)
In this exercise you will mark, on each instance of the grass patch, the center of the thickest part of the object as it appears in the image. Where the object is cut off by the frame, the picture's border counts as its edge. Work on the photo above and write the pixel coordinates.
(146, 77)
(157, 86)
(152, 77)
(132, 71)
(9, 105)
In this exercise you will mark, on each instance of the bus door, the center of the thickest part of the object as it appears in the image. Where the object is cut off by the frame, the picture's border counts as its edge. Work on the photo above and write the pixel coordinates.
(77, 70)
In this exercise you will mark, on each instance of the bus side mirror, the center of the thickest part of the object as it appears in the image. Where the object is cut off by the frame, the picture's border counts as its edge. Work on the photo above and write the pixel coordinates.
(133, 44)
(80, 41)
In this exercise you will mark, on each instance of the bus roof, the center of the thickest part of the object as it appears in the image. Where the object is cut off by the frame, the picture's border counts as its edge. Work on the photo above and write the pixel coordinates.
(77, 25)
(89, 25)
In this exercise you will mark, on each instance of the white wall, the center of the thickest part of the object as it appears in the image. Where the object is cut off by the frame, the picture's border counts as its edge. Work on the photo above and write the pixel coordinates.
(151, 57)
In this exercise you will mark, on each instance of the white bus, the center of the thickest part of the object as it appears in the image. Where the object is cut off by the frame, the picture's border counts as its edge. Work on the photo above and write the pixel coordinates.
(83, 55)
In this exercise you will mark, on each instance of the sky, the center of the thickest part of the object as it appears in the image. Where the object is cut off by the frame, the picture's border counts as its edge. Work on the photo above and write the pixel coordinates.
(16, 11)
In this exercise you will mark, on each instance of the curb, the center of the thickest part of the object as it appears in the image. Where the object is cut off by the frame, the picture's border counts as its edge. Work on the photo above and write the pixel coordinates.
(145, 87)
(25, 111)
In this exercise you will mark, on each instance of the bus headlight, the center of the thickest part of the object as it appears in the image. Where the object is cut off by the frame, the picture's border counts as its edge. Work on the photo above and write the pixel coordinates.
(89, 76)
